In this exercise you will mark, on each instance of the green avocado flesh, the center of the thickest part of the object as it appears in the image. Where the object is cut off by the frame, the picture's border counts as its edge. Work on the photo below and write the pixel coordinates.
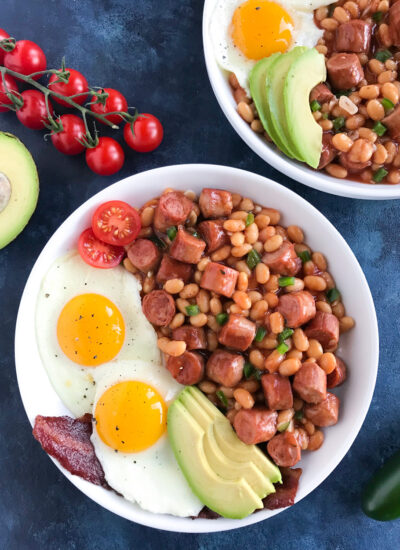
(227, 475)
(19, 187)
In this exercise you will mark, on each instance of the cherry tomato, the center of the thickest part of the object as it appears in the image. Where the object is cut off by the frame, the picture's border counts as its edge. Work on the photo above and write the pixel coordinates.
(77, 84)
(107, 158)
(115, 222)
(26, 58)
(67, 141)
(33, 113)
(148, 133)
(97, 253)
(11, 86)
(3, 36)
(114, 102)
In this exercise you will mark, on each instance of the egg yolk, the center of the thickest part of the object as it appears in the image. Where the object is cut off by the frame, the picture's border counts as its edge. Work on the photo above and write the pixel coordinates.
(90, 330)
(260, 28)
(130, 416)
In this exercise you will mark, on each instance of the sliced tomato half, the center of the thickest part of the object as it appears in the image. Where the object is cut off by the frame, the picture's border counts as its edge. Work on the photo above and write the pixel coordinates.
(115, 222)
(98, 253)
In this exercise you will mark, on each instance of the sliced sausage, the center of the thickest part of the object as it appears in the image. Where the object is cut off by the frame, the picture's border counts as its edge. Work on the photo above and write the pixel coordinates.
(351, 166)
(353, 36)
(297, 308)
(321, 93)
(214, 234)
(225, 368)
(219, 278)
(255, 425)
(187, 248)
(215, 203)
(324, 328)
(392, 121)
(187, 369)
(194, 337)
(338, 376)
(394, 24)
(310, 383)
(328, 153)
(237, 333)
(278, 391)
(344, 70)
(286, 493)
(159, 307)
(172, 269)
(284, 449)
(172, 209)
(283, 261)
(144, 255)
(325, 413)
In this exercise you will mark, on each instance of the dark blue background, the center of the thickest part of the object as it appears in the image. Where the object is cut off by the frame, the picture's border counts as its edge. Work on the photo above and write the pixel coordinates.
(152, 52)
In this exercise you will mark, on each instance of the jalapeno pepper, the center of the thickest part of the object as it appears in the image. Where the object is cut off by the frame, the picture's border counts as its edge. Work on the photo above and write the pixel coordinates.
(381, 497)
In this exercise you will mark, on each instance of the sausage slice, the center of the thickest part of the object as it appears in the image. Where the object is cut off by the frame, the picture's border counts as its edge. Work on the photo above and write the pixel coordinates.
(344, 70)
(394, 24)
(172, 209)
(325, 413)
(172, 269)
(219, 278)
(324, 328)
(337, 376)
(353, 36)
(284, 449)
(297, 308)
(328, 152)
(321, 93)
(225, 368)
(237, 333)
(194, 337)
(215, 203)
(159, 307)
(255, 425)
(187, 369)
(351, 166)
(392, 121)
(214, 234)
(144, 255)
(310, 383)
(187, 248)
(277, 391)
(283, 261)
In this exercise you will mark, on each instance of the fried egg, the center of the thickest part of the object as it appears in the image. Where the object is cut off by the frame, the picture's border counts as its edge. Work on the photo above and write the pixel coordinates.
(87, 321)
(243, 32)
(130, 438)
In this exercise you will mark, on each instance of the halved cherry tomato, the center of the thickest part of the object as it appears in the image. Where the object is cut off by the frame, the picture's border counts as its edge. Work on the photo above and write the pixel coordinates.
(3, 35)
(33, 113)
(77, 84)
(97, 253)
(11, 87)
(114, 102)
(26, 58)
(147, 133)
(115, 222)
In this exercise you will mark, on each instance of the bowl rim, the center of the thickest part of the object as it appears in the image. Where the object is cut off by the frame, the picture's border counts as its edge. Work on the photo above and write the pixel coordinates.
(299, 172)
(109, 500)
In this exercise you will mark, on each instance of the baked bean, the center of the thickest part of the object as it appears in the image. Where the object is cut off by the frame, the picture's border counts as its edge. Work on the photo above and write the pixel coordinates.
(370, 91)
(197, 276)
(128, 265)
(257, 126)
(182, 304)
(215, 305)
(330, 282)
(367, 134)
(277, 322)
(271, 299)
(272, 362)
(174, 286)
(323, 306)
(235, 308)
(272, 285)
(387, 76)
(352, 8)
(207, 387)
(251, 233)
(250, 385)
(262, 221)
(315, 283)
(294, 354)
(341, 15)
(149, 284)
(308, 426)
(355, 121)
(329, 24)
(314, 349)
(346, 323)
(243, 282)
(234, 225)
(203, 300)
(309, 268)
(189, 291)
(244, 398)
(258, 310)
(273, 214)
(336, 171)
(376, 66)
(246, 204)
(321, 13)
(245, 111)
(273, 243)
(236, 198)
(240, 251)
(298, 285)
(269, 342)
(262, 273)
(319, 260)
(198, 320)
(233, 81)
(392, 150)
(228, 392)
(396, 160)
(289, 367)
(302, 438)
(147, 216)
(256, 358)
(212, 323)
(284, 417)
(391, 92)
(241, 299)
(145, 232)
(295, 234)
(221, 254)
(338, 310)
(212, 340)
(203, 263)
(362, 150)
(242, 266)
(300, 340)
(175, 348)
(393, 177)
(315, 441)
(326, 124)
(239, 215)
(384, 35)
(327, 362)
(177, 321)
(342, 142)
(237, 239)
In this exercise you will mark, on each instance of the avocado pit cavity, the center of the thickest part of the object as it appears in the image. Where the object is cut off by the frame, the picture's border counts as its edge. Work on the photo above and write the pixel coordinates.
(5, 191)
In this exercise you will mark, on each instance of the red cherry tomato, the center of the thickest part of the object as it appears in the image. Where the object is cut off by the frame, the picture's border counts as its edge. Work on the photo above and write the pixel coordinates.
(77, 84)
(114, 102)
(11, 86)
(148, 133)
(26, 58)
(67, 141)
(33, 113)
(3, 36)
(107, 158)
(97, 253)
(115, 222)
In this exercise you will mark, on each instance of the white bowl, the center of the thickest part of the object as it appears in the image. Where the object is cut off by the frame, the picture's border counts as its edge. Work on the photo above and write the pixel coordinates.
(267, 151)
(359, 348)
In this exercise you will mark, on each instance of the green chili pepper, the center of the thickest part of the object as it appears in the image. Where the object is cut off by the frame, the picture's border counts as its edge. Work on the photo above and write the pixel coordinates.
(381, 497)
(253, 258)
(171, 232)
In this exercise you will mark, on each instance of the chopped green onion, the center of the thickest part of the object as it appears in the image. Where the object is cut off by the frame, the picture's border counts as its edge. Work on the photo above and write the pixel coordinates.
(325, 116)
(379, 175)
(383, 55)
(338, 123)
(285, 334)
(379, 128)
(257, 374)
(222, 397)
(261, 332)
(283, 427)
(387, 104)
(253, 258)
(286, 281)
(158, 242)
(249, 219)
(248, 370)
(221, 318)
(333, 294)
(299, 415)
(192, 310)
(171, 232)
(377, 16)
(304, 256)
(282, 348)
(315, 105)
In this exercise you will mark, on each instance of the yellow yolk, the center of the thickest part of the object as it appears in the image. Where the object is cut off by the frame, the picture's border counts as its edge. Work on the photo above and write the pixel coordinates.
(130, 416)
(90, 330)
(260, 28)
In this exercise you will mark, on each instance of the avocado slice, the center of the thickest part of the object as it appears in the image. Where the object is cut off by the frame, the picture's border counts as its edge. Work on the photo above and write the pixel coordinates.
(19, 187)
(275, 83)
(305, 133)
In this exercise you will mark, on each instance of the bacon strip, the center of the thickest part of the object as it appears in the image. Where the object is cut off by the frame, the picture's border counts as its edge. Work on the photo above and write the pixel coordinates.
(285, 493)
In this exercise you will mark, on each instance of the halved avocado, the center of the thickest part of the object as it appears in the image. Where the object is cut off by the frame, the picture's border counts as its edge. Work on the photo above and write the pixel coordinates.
(19, 187)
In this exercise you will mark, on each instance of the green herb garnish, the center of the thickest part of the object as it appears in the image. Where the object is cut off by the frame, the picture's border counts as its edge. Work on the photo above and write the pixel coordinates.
(379, 128)
(171, 232)
(338, 123)
(248, 370)
(249, 219)
(282, 348)
(304, 256)
(285, 334)
(383, 55)
(221, 318)
(379, 175)
(285, 281)
(315, 105)
(253, 258)
(333, 294)
(261, 332)
(158, 242)
(298, 415)
(222, 397)
(387, 104)
(192, 310)
(283, 427)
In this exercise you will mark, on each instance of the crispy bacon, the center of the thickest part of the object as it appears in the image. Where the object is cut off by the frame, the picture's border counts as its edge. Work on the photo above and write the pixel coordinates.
(285, 493)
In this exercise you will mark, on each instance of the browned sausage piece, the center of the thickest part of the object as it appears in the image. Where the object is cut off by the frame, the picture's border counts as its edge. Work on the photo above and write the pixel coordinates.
(321, 93)
(187, 369)
(159, 307)
(172, 209)
(392, 121)
(255, 425)
(219, 278)
(344, 70)
(324, 328)
(353, 36)
(194, 337)
(394, 23)
(284, 449)
(225, 368)
(310, 383)
(215, 203)
(187, 248)
(328, 152)
(338, 376)
(144, 255)
(214, 234)
(237, 333)
(283, 261)
(325, 413)
(172, 269)
(277, 391)
(297, 308)
(351, 166)
(286, 493)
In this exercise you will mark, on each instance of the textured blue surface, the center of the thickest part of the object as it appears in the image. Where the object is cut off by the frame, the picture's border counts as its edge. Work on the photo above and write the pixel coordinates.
(152, 52)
